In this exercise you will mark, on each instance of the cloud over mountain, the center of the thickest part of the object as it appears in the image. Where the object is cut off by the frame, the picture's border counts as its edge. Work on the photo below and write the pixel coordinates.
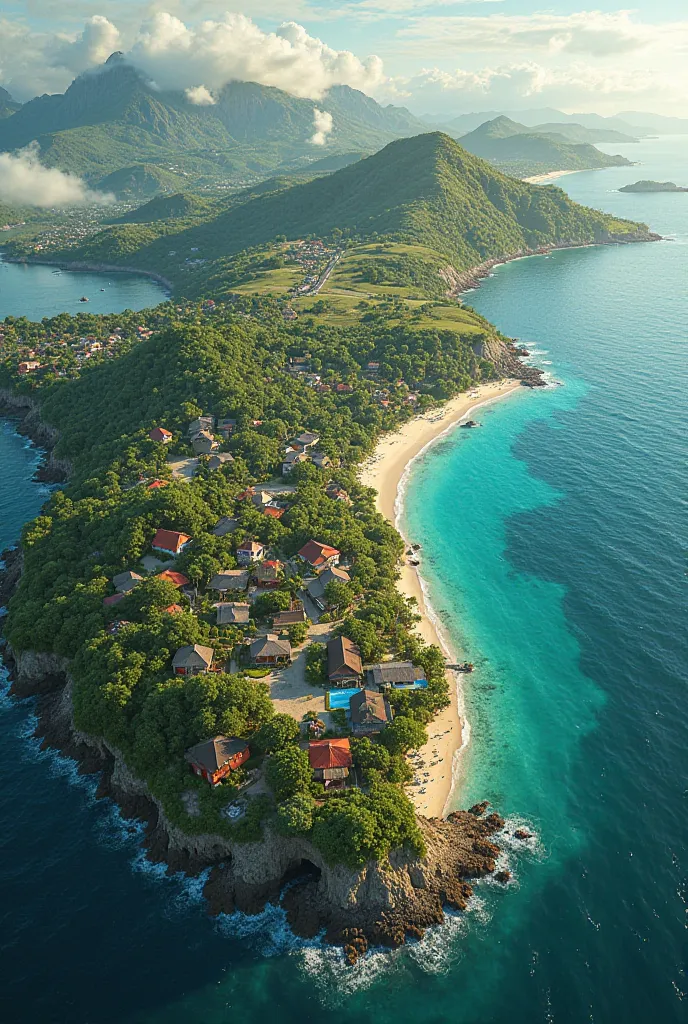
(24, 181)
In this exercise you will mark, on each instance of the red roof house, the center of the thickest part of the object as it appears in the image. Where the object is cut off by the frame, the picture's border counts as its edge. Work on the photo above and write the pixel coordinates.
(330, 761)
(170, 542)
(273, 511)
(115, 599)
(318, 555)
(156, 484)
(173, 609)
(178, 578)
(160, 434)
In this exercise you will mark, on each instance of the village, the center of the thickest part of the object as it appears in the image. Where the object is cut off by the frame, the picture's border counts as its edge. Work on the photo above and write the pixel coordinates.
(276, 620)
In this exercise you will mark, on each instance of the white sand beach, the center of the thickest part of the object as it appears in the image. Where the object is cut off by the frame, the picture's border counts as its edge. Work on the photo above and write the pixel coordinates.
(384, 471)
(539, 179)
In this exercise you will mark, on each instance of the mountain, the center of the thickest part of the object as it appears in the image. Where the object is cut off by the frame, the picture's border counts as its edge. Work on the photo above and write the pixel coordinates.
(7, 105)
(538, 117)
(520, 150)
(426, 190)
(139, 181)
(112, 119)
(572, 132)
(657, 122)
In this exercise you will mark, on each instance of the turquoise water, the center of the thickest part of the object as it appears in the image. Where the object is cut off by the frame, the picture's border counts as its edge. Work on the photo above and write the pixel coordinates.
(554, 548)
(37, 291)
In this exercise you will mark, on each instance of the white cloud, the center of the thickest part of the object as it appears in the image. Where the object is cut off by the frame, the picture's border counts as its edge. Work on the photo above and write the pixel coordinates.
(199, 96)
(323, 124)
(176, 56)
(24, 181)
(93, 46)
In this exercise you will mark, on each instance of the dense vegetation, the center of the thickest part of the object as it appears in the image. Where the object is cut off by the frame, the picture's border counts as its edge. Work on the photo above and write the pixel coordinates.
(103, 522)
(424, 190)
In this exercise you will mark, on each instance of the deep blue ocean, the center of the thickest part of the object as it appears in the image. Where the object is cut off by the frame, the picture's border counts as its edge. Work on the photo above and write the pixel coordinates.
(553, 546)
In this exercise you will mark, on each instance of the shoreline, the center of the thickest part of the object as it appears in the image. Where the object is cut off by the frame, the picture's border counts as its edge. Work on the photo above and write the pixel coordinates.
(388, 471)
(93, 268)
(538, 179)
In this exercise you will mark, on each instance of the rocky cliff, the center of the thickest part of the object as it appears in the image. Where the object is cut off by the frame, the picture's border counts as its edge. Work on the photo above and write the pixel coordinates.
(27, 414)
(380, 904)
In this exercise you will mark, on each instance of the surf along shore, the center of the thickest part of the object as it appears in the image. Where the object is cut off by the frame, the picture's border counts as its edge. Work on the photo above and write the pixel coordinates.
(386, 471)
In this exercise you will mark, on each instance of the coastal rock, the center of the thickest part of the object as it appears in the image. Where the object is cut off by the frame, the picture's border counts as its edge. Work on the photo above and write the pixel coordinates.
(502, 876)
(382, 903)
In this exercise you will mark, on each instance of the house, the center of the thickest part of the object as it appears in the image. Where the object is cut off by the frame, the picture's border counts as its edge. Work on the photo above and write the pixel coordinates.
(250, 551)
(337, 493)
(321, 460)
(192, 660)
(173, 609)
(155, 485)
(292, 618)
(170, 542)
(229, 579)
(270, 650)
(230, 614)
(273, 512)
(28, 366)
(226, 427)
(395, 673)
(178, 578)
(343, 389)
(161, 435)
(316, 588)
(267, 574)
(224, 526)
(202, 423)
(307, 440)
(203, 443)
(216, 758)
(220, 459)
(291, 459)
(370, 712)
(260, 499)
(319, 556)
(344, 665)
(113, 599)
(331, 761)
(126, 581)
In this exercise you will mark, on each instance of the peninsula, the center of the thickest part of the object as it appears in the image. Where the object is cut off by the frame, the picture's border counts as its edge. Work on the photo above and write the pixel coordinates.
(215, 610)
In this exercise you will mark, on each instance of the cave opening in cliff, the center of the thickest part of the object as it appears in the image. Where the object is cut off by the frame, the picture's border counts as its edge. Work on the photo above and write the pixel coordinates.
(304, 871)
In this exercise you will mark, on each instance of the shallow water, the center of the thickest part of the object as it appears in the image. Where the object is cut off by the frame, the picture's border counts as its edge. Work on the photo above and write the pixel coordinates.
(553, 548)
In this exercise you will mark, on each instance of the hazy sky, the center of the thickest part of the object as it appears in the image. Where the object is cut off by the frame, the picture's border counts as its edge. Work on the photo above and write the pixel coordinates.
(431, 55)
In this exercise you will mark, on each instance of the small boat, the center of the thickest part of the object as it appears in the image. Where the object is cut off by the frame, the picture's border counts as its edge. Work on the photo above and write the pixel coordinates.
(102, 289)
(83, 299)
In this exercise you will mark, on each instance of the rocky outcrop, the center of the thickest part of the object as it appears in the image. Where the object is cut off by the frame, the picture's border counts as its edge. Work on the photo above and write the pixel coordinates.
(27, 415)
(383, 903)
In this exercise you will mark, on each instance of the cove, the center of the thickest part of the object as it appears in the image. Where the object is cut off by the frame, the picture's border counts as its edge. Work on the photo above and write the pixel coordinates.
(35, 291)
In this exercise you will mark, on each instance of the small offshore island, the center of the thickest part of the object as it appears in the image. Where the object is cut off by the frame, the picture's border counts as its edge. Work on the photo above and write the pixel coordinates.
(216, 612)
(653, 186)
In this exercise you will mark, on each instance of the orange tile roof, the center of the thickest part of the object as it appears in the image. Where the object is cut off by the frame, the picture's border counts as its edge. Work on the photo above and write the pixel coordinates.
(330, 754)
(316, 553)
(178, 578)
(274, 513)
(170, 540)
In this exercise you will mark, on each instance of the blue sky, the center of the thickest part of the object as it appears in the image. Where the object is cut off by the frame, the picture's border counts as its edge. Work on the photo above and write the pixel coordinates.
(442, 57)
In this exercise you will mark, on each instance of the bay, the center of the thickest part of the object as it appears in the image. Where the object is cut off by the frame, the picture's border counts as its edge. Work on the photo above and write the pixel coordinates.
(553, 546)
(35, 290)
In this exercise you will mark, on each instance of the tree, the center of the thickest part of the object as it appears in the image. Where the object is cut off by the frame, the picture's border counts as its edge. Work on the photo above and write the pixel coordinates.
(298, 633)
(288, 772)
(295, 815)
(316, 657)
(280, 731)
(404, 734)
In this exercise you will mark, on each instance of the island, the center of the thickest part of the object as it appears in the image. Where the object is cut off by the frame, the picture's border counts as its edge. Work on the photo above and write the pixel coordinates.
(214, 613)
(653, 186)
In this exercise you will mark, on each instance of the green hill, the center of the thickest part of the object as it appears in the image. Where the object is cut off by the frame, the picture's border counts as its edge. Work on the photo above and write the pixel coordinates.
(580, 133)
(180, 206)
(519, 150)
(425, 190)
(140, 180)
